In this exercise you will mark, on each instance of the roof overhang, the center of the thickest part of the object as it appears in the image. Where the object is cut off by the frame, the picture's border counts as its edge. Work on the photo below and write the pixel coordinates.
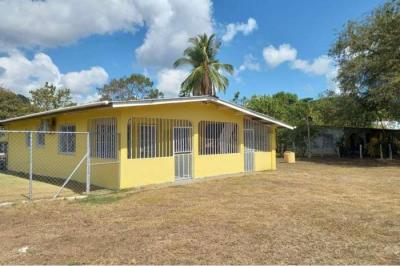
(148, 102)
(206, 99)
(58, 111)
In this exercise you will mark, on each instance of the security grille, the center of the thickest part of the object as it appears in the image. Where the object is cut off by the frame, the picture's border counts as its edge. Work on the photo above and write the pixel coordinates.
(104, 138)
(66, 139)
(261, 132)
(152, 137)
(248, 150)
(217, 137)
(183, 152)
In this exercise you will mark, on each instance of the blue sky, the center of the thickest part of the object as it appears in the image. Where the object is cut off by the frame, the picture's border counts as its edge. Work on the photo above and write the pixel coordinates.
(274, 45)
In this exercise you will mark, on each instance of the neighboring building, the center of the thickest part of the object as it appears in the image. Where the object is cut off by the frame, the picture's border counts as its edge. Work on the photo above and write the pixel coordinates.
(329, 141)
(387, 125)
(143, 142)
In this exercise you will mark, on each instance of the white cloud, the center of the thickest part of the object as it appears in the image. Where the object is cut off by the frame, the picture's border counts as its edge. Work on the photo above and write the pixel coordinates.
(58, 22)
(320, 66)
(21, 74)
(169, 23)
(250, 63)
(84, 80)
(169, 81)
(276, 56)
(233, 28)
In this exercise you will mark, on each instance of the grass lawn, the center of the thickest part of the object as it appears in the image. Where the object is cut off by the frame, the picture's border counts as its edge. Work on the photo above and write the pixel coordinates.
(16, 188)
(306, 213)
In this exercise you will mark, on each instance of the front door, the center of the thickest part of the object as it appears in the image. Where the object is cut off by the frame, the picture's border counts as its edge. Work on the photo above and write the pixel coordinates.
(249, 150)
(183, 155)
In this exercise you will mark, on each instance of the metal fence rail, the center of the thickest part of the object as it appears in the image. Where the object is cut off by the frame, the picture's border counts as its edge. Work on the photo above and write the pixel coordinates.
(44, 164)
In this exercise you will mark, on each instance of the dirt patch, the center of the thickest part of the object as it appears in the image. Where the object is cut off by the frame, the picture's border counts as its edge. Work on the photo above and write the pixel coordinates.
(306, 213)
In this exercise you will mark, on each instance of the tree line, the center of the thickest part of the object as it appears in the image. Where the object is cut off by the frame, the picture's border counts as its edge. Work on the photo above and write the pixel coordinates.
(48, 97)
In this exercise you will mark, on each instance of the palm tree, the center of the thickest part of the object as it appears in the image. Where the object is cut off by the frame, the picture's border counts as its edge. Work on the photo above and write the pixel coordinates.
(205, 77)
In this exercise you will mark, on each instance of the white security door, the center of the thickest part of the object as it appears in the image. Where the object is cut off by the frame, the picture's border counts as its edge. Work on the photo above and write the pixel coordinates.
(183, 154)
(248, 150)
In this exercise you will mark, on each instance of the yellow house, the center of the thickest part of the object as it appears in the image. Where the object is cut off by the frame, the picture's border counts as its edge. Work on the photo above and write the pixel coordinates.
(141, 142)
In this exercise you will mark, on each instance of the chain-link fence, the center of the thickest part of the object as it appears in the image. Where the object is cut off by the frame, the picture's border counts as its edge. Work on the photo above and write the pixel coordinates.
(41, 164)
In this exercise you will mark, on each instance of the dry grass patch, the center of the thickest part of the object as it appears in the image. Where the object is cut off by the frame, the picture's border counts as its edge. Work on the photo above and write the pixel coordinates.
(305, 213)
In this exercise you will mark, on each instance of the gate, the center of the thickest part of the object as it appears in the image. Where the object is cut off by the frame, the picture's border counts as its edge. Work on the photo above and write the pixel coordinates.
(183, 154)
(43, 164)
(248, 150)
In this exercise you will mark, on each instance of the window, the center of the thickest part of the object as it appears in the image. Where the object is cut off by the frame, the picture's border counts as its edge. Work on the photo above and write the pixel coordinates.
(217, 138)
(67, 139)
(103, 138)
(260, 134)
(40, 138)
(154, 137)
(148, 141)
(28, 139)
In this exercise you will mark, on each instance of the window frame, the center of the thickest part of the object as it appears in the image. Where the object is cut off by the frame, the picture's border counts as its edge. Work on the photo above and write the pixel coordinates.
(68, 134)
(216, 144)
(104, 143)
(44, 126)
(28, 139)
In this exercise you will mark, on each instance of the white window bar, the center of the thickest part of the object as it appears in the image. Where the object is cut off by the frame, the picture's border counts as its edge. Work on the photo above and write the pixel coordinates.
(261, 133)
(104, 138)
(40, 136)
(67, 139)
(153, 137)
(217, 137)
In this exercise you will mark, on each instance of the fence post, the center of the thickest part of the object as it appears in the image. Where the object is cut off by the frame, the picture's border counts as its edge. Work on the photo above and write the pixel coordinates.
(381, 151)
(88, 163)
(30, 165)
(390, 152)
(361, 151)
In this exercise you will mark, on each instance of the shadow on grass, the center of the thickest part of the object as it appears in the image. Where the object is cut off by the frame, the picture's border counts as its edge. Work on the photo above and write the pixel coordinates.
(351, 162)
(73, 185)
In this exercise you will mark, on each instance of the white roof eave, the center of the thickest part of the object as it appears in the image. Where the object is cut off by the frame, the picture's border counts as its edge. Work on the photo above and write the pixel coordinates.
(202, 99)
(148, 102)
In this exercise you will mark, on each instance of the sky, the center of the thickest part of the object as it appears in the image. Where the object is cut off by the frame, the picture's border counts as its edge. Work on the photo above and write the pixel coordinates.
(83, 44)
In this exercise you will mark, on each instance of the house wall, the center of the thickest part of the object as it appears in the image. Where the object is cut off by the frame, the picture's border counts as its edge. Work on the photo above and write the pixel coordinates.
(138, 172)
(127, 173)
(48, 161)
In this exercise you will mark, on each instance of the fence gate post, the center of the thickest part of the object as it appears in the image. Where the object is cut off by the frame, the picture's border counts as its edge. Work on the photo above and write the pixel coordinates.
(361, 151)
(381, 151)
(390, 152)
(88, 163)
(30, 165)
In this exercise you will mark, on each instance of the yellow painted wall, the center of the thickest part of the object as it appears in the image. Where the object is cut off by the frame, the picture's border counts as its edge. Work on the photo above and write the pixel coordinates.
(48, 161)
(128, 173)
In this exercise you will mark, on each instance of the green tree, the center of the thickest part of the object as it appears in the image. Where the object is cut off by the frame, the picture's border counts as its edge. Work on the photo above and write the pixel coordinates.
(339, 110)
(368, 56)
(136, 86)
(205, 77)
(12, 104)
(239, 100)
(289, 108)
(49, 97)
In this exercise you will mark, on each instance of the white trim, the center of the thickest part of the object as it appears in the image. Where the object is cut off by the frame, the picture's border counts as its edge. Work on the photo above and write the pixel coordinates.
(200, 99)
(252, 113)
(148, 102)
(55, 111)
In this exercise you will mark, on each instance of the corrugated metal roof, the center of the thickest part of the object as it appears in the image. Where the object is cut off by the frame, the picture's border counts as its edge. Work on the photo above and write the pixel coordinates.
(148, 102)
